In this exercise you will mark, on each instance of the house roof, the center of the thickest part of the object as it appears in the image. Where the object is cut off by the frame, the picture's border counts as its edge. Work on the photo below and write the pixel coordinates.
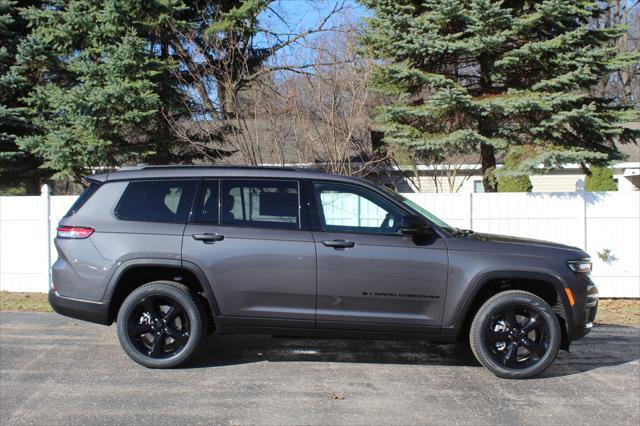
(277, 141)
(301, 142)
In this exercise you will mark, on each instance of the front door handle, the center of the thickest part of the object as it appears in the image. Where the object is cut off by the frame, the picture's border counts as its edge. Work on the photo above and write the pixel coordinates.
(339, 244)
(208, 238)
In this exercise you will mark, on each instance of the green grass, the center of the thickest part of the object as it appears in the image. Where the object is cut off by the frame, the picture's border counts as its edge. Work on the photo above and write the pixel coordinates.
(24, 302)
(610, 311)
(619, 311)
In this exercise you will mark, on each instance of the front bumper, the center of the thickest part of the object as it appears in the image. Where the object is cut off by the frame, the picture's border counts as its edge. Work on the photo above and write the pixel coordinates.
(583, 313)
(80, 309)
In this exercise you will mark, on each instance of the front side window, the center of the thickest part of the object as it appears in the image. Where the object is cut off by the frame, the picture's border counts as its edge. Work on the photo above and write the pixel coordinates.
(156, 201)
(347, 208)
(261, 203)
(421, 211)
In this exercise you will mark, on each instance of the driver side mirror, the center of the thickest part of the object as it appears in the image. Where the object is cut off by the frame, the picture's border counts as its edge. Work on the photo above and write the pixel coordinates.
(414, 224)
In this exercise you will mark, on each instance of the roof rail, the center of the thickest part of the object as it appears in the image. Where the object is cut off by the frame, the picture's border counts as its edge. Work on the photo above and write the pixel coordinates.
(203, 166)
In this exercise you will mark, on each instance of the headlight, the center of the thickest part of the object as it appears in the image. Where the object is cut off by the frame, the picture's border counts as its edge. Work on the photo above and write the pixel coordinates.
(582, 266)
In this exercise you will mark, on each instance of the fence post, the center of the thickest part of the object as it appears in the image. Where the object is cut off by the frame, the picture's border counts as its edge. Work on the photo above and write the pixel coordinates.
(582, 217)
(470, 211)
(46, 213)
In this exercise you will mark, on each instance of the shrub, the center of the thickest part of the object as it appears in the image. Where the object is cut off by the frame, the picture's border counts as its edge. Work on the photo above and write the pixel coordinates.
(599, 179)
(514, 184)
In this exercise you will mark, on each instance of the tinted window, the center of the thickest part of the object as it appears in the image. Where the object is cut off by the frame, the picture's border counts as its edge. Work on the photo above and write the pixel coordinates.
(83, 198)
(272, 204)
(157, 201)
(208, 208)
(347, 208)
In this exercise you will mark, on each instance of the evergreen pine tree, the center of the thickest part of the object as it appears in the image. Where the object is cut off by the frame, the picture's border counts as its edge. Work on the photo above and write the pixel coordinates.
(482, 75)
(103, 75)
(20, 172)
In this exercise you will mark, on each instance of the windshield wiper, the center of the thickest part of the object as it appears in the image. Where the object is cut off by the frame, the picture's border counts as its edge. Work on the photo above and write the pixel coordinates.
(463, 231)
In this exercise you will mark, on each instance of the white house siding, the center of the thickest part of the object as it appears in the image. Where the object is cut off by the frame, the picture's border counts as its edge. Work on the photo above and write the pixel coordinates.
(540, 183)
(556, 182)
(427, 184)
(566, 180)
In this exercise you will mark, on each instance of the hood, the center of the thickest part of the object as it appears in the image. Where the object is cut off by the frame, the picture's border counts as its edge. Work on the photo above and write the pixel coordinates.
(494, 238)
(505, 244)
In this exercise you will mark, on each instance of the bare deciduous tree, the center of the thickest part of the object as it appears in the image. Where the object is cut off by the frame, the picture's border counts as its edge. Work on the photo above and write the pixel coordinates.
(623, 85)
(220, 58)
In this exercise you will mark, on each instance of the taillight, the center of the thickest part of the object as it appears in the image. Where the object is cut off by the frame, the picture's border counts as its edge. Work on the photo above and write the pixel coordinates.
(74, 232)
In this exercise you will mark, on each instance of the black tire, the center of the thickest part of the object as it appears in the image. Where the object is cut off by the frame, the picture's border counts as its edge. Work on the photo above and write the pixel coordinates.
(161, 325)
(515, 335)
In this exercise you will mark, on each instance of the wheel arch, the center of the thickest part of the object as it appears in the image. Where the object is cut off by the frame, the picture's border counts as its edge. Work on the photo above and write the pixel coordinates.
(133, 273)
(547, 286)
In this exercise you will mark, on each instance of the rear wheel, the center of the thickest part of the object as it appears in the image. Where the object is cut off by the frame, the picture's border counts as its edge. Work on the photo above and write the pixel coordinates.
(515, 335)
(160, 324)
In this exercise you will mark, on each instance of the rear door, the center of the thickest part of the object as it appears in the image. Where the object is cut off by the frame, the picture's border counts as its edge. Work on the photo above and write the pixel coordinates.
(247, 236)
(369, 274)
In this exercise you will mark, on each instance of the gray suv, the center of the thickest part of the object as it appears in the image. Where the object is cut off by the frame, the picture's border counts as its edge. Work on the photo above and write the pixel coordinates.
(172, 253)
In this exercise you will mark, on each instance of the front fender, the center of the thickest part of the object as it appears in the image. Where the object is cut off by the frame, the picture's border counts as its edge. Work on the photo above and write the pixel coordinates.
(456, 310)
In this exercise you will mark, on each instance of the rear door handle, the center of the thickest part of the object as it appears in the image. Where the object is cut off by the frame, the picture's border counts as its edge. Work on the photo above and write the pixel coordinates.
(338, 244)
(208, 238)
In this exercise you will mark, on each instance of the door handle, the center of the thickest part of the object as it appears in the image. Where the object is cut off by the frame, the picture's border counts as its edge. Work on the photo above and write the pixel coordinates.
(208, 238)
(339, 244)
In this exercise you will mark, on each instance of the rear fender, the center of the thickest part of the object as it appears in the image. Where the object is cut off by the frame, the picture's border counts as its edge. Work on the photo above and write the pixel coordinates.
(114, 281)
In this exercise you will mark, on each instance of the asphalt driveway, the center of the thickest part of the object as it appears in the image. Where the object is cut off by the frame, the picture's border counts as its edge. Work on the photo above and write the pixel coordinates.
(57, 370)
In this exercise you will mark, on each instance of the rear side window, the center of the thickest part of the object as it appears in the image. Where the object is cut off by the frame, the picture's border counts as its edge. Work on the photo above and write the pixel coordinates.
(157, 201)
(269, 204)
(83, 198)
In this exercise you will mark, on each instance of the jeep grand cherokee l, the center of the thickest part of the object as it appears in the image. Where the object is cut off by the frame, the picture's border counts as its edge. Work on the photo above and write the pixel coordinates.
(172, 253)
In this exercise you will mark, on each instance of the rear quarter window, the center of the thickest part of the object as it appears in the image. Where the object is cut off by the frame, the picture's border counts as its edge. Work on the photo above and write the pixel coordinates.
(82, 199)
(157, 201)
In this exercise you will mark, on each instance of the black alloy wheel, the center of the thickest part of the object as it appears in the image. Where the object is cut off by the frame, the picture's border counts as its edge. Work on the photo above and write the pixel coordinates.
(161, 324)
(515, 334)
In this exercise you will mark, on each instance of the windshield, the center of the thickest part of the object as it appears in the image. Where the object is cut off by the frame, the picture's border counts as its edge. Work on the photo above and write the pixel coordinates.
(422, 211)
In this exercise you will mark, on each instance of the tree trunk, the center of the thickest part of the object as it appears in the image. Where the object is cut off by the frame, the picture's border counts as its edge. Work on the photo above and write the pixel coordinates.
(486, 128)
(32, 186)
(488, 160)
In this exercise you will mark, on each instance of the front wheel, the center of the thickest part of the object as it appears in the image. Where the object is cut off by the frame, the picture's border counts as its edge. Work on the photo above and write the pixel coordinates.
(515, 334)
(160, 324)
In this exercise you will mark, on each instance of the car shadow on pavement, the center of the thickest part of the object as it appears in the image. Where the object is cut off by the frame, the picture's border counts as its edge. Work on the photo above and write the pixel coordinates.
(230, 350)
(606, 345)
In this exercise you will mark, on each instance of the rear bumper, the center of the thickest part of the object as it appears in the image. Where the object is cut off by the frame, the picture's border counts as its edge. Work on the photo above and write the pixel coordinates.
(80, 309)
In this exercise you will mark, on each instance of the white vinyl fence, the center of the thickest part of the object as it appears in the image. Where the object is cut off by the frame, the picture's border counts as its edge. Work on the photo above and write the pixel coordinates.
(605, 224)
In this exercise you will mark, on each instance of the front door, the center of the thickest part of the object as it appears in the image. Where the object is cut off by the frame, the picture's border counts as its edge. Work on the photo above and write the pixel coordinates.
(369, 273)
(247, 238)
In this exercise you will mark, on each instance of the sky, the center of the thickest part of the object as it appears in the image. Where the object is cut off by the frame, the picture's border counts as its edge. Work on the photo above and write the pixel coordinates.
(304, 14)
(290, 17)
